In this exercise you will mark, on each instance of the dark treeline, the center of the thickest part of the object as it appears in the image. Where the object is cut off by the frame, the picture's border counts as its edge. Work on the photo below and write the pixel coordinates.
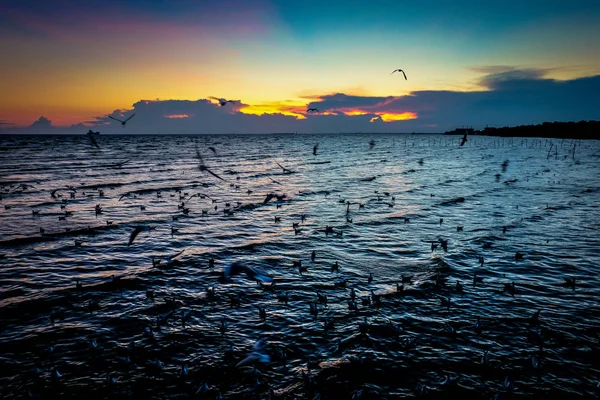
(567, 130)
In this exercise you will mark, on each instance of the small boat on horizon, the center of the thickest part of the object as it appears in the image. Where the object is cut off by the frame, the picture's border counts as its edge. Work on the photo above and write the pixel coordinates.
(91, 132)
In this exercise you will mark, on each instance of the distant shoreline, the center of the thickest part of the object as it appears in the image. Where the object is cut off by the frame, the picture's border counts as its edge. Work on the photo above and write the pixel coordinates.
(587, 130)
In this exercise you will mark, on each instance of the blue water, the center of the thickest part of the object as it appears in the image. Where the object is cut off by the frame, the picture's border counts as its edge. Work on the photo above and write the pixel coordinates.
(548, 200)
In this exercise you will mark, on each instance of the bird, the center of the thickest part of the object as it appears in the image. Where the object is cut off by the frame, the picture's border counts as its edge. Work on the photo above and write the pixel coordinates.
(312, 110)
(262, 313)
(463, 140)
(223, 102)
(315, 148)
(536, 363)
(110, 380)
(136, 231)
(256, 355)
(184, 371)
(403, 73)
(485, 359)
(283, 298)
(335, 267)
(237, 268)
(285, 170)
(508, 384)
(203, 167)
(123, 122)
(93, 141)
(322, 298)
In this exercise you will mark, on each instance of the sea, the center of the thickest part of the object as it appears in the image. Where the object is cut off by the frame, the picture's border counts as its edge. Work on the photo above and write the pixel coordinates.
(357, 266)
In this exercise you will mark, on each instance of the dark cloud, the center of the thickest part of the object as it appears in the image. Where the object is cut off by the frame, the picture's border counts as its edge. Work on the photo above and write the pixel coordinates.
(514, 97)
(515, 79)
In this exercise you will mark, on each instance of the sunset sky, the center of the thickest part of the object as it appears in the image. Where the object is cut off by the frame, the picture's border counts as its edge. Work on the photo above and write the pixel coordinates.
(468, 63)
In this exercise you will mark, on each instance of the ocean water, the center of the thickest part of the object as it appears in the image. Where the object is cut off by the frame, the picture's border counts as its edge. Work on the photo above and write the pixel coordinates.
(407, 194)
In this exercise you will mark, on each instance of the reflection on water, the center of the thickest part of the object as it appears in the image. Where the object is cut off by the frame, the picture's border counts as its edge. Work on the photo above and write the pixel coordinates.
(79, 281)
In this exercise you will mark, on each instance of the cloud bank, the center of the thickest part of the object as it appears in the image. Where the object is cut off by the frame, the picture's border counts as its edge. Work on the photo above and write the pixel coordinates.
(511, 97)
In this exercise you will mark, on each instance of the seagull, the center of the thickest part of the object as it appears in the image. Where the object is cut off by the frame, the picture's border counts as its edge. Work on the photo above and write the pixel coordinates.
(237, 268)
(203, 167)
(399, 70)
(285, 170)
(312, 110)
(93, 141)
(256, 355)
(464, 140)
(222, 101)
(123, 122)
(136, 231)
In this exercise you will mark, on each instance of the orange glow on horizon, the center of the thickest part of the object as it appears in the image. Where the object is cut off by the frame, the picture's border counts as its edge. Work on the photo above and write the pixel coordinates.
(388, 116)
(177, 116)
(355, 112)
(404, 116)
(274, 108)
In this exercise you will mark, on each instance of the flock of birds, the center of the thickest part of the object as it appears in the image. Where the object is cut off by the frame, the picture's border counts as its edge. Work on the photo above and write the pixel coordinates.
(358, 305)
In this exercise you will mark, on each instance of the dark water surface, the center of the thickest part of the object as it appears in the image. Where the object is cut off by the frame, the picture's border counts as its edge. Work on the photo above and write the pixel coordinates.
(548, 200)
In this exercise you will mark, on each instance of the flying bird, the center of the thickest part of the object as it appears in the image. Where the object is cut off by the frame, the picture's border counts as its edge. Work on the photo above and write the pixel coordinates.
(237, 268)
(203, 167)
(123, 122)
(136, 231)
(312, 110)
(257, 354)
(285, 170)
(403, 73)
(464, 140)
(315, 148)
(222, 101)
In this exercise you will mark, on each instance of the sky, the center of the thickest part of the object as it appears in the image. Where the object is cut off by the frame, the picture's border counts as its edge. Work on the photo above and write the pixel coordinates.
(67, 65)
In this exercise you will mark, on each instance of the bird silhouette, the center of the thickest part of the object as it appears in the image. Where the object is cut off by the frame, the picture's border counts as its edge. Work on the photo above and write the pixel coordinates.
(285, 170)
(203, 167)
(136, 231)
(312, 110)
(256, 355)
(399, 70)
(222, 101)
(123, 122)
(237, 268)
